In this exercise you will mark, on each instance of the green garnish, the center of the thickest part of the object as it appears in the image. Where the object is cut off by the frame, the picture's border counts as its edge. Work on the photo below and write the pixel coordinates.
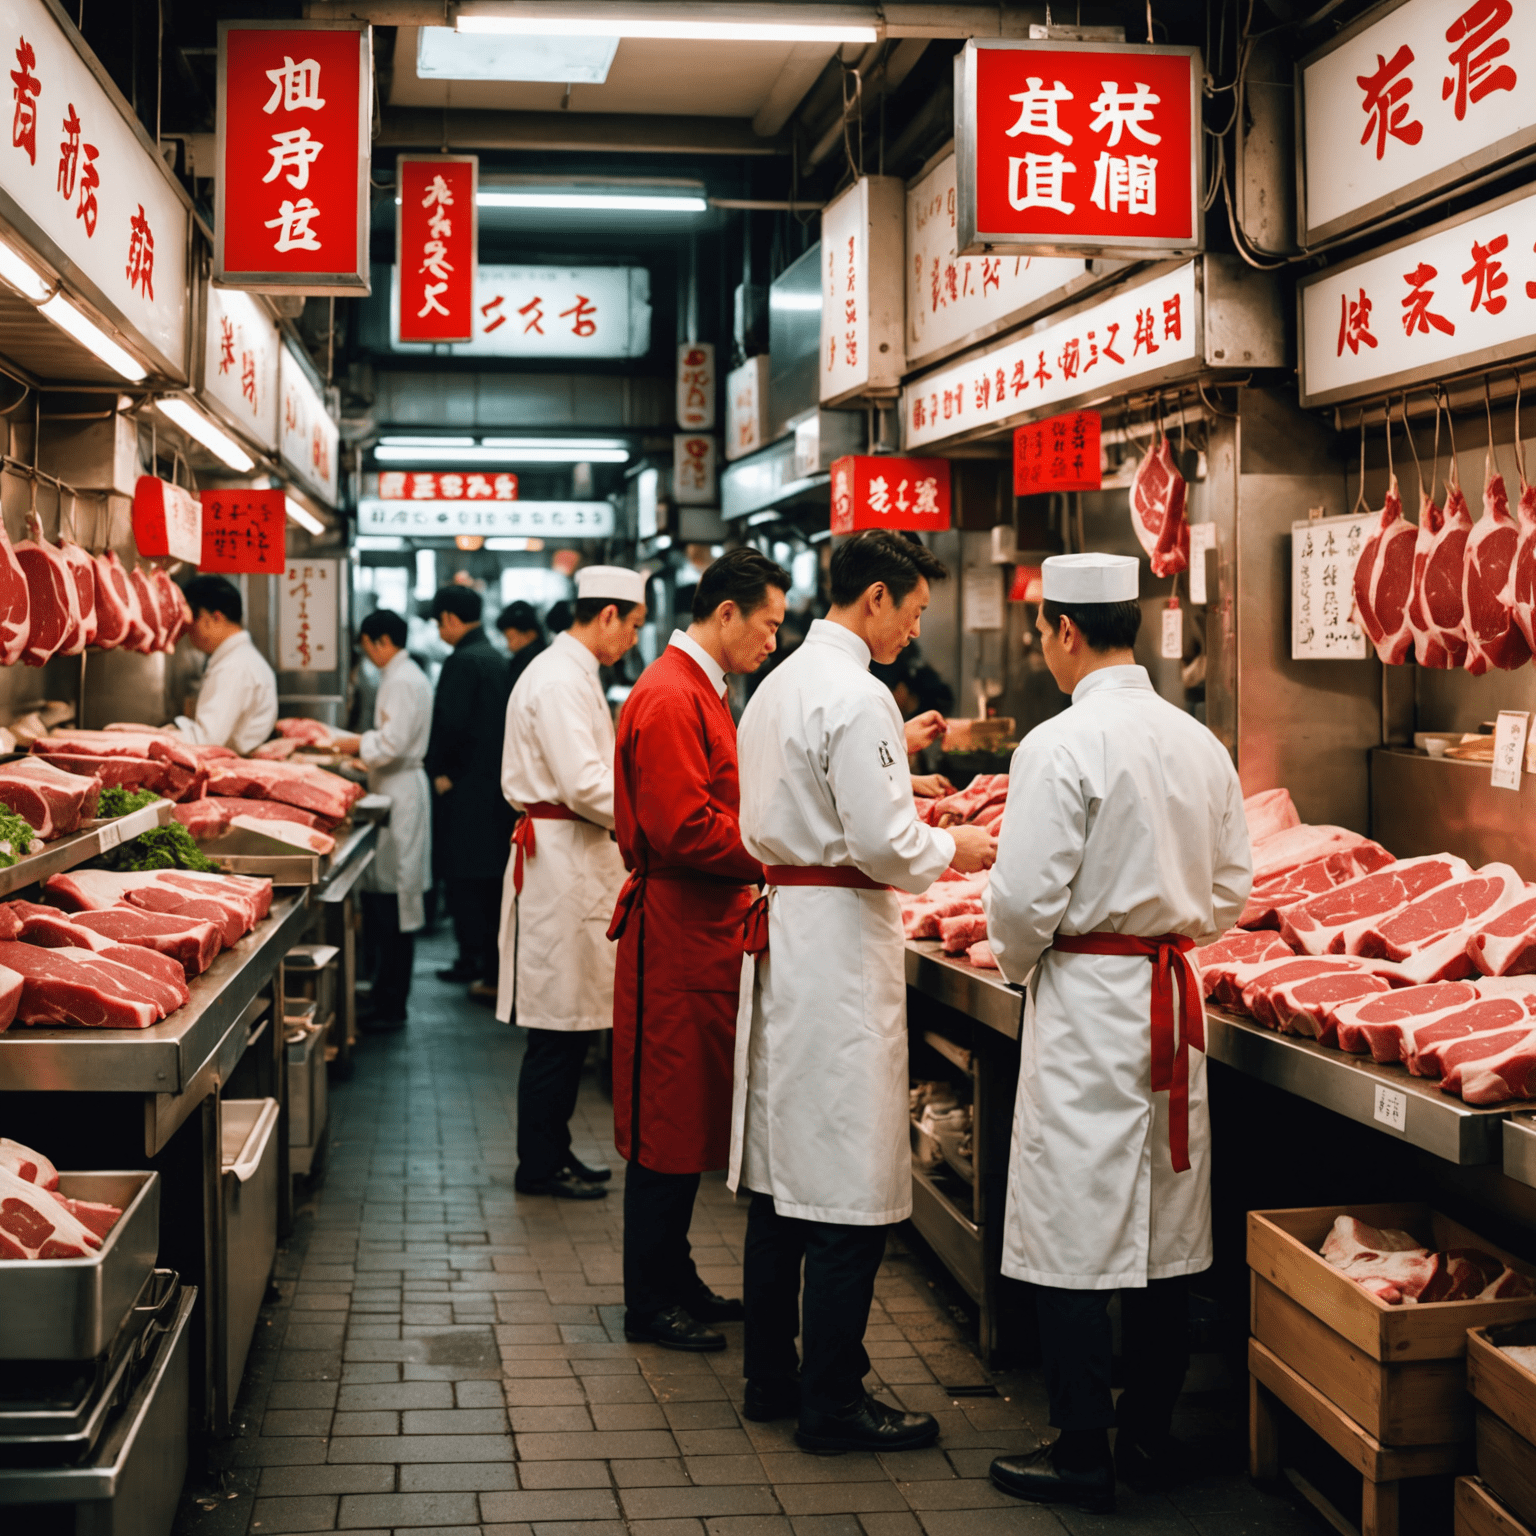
(116, 801)
(18, 838)
(169, 847)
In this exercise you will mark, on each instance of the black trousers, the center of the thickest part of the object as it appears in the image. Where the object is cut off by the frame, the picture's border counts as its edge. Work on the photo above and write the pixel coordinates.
(546, 1100)
(476, 907)
(840, 1267)
(392, 954)
(1076, 1340)
(658, 1259)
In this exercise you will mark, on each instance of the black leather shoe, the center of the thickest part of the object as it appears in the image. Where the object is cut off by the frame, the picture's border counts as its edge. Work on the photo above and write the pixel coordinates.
(672, 1328)
(776, 1397)
(867, 1426)
(1036, 1477)
(591, 1175)
(710, 1308)
(1167, 1465)
(563, 1186)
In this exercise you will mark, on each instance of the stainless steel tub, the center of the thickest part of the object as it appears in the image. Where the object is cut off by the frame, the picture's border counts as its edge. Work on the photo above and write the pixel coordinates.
(250, 1221)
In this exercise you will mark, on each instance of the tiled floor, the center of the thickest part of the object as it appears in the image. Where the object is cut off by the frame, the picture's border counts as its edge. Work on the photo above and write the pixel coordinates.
(448, 1357)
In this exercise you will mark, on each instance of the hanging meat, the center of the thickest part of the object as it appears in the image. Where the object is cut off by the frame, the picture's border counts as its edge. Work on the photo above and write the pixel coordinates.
(111, 607)
(1157, 510)
(1436, 611)
(54, 602)
(1384, 581)
(83, 569)
(1493, 637)
(15, 604)
(1520, 595)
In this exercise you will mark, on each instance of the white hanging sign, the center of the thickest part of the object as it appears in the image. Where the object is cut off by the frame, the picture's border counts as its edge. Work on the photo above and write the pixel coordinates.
(981, 598)
(1324, 553)
(746, 407)
(1173, 631)
(861, 290)
(1202, 536)
(241, 361)
(1509, 747)
(696, 386)
(693, 470)
(309, 442)
(448, 519)
(308, 608)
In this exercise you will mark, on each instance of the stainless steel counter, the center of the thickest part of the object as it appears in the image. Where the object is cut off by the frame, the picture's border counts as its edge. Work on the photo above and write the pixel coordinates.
(349, 859)
(983, 995)
(66, 852)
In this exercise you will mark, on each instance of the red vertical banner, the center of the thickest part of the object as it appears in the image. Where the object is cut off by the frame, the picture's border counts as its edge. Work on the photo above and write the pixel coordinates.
(435, 246)
(244, 532)
(1061, 453)
(888, 492)
(295, 102)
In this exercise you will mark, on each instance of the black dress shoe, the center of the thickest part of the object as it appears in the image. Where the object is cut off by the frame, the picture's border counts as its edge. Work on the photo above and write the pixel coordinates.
(1036, 1477)
(563, 1186)
(592, 1175)
(776, 1397)
(672, 1328)
(710, 1308)
(867, 1426)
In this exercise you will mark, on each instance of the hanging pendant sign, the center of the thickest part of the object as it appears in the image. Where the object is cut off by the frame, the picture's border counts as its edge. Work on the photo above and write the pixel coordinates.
(295, 108)
(1173, 631)
(696, 387)
(882, 491)
(693, 470)
(1067, 148)
(862, 292)
(244, 531)
(309, 441)
(746, 407)
(167, 520)
(436, 238)
(308, 606)
(1324, 553)
(1060, 453)
(1509, 747)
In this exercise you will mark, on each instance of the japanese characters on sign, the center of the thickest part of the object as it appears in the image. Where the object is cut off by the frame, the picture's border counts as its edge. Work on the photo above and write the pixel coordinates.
(696, 386)
(1142, 331)
(861, 289)
(1408, 101)
(244, 531)
(886, 492)
(295, 103)
(241, 344)
(950, 298)
(551, 312)
(436, 240)
(308, 614)
(309, 442)
(1087, 148)
(1060, 453)
(448, 519)
(693, 470)
(746, 407)
(1461, 295)
(447, 485)
(1324, 552)
(167, 520)
(88, 180)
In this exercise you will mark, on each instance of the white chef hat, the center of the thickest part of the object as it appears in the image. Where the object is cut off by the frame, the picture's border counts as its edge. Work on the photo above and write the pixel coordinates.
(611, 582)
(1091, 578)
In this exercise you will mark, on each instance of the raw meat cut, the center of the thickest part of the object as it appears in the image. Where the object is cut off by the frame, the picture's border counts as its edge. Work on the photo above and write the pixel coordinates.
(203, 818)
(15, 605)
(256, 890)
(1436, 610)
(276, 751)
(48, 797)
(921, 920)
(174, 606)
(137, 636)
(118, 772)
(1305, 844)
(1269, 899)
(1506, 946)
(1384, 581)
(1268, 812)
(73, 986)
(959, 933)
(1307, 1005)
(1157, 510)
(314, 733)
(1237, 947)
(149, 606)
(1427, 939)
(53, 603)
(1390, 1264)
(35, 1224)
(1332, 923)
(1376, 1026)
(135, 760)
(276, 810)
(980, 955)
(1434, 1048)
(1493, 637)
(52, 929)
(83, 569)
(1521, 596)
(122, 743)
(233, 903)
(111, 610)
(95, 1215)
(311, 789)
(965, 805)
(1246, 985)
(27, 1164)
(287, 832)
(190, 942)
(1504, 1069)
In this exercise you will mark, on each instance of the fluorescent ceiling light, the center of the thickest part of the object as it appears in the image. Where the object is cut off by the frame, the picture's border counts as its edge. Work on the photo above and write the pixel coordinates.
(515, 546)
(382, 542)
(297, 514)
(682, 29)
(427, 442)
(21, 276)
(588, 443)
(822, 537)
(444, 54)
(758, 518)
(805, 301)
(576, 455)
(92, 338)
(599, 202)
(217, 441)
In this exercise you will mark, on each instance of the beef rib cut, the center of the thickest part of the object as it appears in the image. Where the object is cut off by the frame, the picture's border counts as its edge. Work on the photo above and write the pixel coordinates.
(1384, 581)
(1375, 1026)
(1501, 1067)
(53, 603)
(1236, 947)
(1433, 1048)
(1436, 610)
(1493, 636)
(1427, 939)
(49, 797)
(1157, 510)
(111, 610)
(1333, 922)
(1268, 812)
(15, 605)
(73, 986)
(1506, 946)
(1290, 849)
(190, 942)
(36, 1224)
(83, 569)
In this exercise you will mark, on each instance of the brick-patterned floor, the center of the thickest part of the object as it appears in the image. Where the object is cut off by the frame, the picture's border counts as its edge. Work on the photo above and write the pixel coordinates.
(448, 1357)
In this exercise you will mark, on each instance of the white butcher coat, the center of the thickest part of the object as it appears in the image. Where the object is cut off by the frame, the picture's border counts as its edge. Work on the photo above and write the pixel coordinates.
(556, 961)
(819, 1119)
(1124, 815)
(392, 752)
(237, 703)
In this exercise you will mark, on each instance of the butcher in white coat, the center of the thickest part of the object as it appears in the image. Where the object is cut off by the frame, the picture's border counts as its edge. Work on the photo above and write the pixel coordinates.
(237, 702)
(820, 1134)
(565, 873)
(393, 752)
(1123, 846)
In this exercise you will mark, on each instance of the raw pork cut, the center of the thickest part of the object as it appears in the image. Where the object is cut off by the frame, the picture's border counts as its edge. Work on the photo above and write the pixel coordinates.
(957, 934)
(1384, 581)
(1296, 1004)
(1504, 1069)
(1507, 945)
(1377, 1026)
(15, 604)
(1157, 510)
(276, 810)
(53, 603)
(1521, 596)
(1305, 844)
(48, 797)
(190, 942)
(1237, 947)
(1268, 900)
(1493, 637)
(1436, 610)
(73, 986)
(1434, 1048)
(300, 728)
(1268, 812)
(27, 1164)
(986, 789)
(1390, 1264)
(1427, 939)
(83, 569)
(311, 789)
(921, 919)
(35, 1224)
(1332, 923)
(980, 955)
(287, 832)
(111, 609)
(149, 606)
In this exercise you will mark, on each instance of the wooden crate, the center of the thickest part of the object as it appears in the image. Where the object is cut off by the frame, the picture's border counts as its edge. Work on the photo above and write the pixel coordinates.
(1479, 1513)
(1506, 1416)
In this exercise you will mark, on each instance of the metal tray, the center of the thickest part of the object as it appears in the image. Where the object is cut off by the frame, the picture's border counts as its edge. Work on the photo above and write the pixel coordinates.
(70, 1309)
(240, 851)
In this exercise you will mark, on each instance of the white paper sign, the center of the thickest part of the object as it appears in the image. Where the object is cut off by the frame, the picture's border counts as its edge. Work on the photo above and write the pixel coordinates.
(861, 289)
(1391, 1107)
(308, 610)
(309, 442)
(1421, 98)
(1094, 353)
(746, 408)
(1509, 748)
(696, 386)
(448, 519)
(950, 297)
(1324, 552)
(1202, 537)
(981, 598)
(110, 835)
(1173, 632)
(241, 352)
(693, 470)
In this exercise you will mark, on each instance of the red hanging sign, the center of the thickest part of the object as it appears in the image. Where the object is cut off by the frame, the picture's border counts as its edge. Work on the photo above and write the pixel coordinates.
(887, 492)
(295, 102)
(447, 485)
(435, 246)
(1078, 149)
(1028, 584)
(167, 520)
(1060, 453)
(244, 532)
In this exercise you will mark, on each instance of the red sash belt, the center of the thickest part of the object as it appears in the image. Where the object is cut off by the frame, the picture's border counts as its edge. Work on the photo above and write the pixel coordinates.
(522, 834)
(841, 876)
(635, 884)
(1170, 1066)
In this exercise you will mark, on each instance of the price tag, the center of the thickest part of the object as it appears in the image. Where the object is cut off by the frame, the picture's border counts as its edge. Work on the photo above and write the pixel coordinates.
(1173, 631)
(1509, 748)
(1202, 536)
(110, 835)
(1391, 1107)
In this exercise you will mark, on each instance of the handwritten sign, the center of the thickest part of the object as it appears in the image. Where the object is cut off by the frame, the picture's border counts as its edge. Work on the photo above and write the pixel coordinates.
(446, 485)
(981, 598)
(1060, 453)
(449, 519)
(306, 616)
(1173, 631)
(1324, 552)
(1391, 1107)
(1509, 747)
(1202, 536)
(243, 531)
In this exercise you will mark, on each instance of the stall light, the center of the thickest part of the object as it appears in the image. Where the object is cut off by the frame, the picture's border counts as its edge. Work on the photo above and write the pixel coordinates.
(381, 543)
(661, 544)
(798, 301)
(680, 29)
(597, 202)
(306, 520)
(759, 518)
(515, 546)
(822, 537)
(92, 338)
(594, 444)
(21, 276)
(196, 425)
(485, 455)
(468, 542)
(427, 442)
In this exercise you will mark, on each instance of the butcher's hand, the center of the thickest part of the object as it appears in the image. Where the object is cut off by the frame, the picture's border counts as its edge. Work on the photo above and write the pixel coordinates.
(923, 730)
(931, 786)
(347, 746)
(442, 783)
(975, 849)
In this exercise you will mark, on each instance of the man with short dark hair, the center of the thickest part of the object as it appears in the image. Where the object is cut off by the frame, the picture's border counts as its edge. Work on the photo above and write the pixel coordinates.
(464, 764)
(519, 626)
(1123, 846)
(237, 703)
(820, 1132)
(678, 923)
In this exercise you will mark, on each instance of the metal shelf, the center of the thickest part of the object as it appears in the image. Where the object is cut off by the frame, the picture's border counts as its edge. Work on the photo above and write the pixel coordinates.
(66, 852)
(982, 995)
(349, 859)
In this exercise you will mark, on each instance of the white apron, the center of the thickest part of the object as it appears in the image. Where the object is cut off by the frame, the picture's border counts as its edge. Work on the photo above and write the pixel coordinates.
(392, 753)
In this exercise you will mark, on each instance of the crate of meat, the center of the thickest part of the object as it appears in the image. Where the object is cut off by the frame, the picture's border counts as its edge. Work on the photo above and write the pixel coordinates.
(1501, 1376)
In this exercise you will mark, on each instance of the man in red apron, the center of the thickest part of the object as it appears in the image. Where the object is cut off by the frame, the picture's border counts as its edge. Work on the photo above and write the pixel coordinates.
(679, 924)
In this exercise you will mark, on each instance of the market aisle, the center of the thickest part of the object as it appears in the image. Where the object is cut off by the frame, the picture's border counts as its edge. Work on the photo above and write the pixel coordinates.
(449, 1357)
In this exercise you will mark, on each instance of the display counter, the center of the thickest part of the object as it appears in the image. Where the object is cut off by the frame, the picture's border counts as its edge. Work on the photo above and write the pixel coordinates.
(334, 923)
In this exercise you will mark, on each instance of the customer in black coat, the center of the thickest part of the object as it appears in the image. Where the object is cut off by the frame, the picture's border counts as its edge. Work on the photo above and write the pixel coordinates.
(519, 626)
(464, 763)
